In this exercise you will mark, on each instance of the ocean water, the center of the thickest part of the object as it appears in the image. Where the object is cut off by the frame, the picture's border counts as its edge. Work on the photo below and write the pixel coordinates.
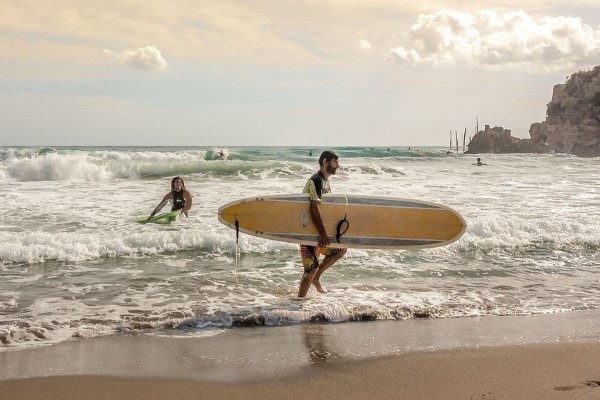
(75, 263)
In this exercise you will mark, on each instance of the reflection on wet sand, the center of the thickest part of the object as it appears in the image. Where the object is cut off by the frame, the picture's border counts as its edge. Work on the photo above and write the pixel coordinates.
(315, 341)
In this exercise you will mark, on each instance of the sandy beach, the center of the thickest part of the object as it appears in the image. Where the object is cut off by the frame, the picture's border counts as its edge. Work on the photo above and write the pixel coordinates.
(526, 357)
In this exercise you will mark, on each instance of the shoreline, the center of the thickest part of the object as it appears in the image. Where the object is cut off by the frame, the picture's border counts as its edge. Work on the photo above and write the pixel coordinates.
(546, 371)
(514, 357)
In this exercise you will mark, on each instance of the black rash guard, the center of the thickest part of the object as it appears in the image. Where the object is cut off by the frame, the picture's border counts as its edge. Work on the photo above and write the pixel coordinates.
(178, 200)
(317, 186)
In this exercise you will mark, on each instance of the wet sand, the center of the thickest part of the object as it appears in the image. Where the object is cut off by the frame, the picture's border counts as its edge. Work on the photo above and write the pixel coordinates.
(526, 357)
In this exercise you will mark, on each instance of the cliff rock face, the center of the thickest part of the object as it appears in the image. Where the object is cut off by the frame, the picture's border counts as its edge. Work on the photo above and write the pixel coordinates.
(572, 124)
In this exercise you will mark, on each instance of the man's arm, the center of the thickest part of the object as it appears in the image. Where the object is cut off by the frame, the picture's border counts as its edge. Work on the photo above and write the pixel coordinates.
(315, 213)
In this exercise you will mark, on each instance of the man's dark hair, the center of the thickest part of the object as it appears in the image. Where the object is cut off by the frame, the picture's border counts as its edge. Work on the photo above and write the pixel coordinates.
(328, 155)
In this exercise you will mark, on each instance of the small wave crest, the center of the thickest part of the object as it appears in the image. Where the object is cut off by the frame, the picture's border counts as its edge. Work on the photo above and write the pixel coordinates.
(54, 167)
(48, 164)
(491, 233)
(60, 164)
(484, 234)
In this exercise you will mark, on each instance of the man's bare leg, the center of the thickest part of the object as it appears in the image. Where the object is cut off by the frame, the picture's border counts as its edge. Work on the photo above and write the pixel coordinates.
(306, 281)
(326, 263)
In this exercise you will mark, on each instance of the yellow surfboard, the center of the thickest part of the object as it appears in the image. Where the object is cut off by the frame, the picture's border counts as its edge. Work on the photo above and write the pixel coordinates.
(366, 222)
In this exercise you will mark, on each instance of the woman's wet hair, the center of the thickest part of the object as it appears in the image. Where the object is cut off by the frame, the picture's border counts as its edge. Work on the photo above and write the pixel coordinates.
(173, 183)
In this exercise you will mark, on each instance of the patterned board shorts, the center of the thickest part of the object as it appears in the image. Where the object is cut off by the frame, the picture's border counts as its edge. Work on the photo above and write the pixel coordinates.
(310, 255)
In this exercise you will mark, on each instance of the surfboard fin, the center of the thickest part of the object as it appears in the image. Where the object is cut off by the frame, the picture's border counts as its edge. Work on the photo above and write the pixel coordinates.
(237, 230)
(237, 238)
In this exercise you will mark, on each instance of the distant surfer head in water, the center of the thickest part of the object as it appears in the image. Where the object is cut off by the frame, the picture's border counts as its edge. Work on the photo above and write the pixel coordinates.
(328, 161)
(479, 162)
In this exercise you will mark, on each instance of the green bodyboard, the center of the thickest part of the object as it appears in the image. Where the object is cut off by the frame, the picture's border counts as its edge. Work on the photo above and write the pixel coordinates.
(163, 218)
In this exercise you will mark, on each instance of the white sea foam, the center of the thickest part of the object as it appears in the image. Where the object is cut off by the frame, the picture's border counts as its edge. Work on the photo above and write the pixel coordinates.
(76, 263)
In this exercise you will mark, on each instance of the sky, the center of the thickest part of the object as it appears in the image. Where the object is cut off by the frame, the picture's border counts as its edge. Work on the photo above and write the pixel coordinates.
(283, 72)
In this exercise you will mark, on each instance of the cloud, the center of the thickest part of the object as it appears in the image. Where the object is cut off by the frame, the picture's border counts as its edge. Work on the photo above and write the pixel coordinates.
(146, 58)
(510, 40)
(365, 45)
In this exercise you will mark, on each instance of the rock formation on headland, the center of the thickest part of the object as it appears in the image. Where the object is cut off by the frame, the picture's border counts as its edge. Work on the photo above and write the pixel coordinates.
(499, 140)
(572, 123)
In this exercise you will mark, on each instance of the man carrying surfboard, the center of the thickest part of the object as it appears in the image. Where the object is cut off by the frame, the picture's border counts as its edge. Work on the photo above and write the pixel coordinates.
(316, 186)
(179, 197)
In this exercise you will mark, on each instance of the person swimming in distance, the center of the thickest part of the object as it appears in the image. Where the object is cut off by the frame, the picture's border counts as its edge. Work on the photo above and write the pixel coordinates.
(179, 197)
(479, 163)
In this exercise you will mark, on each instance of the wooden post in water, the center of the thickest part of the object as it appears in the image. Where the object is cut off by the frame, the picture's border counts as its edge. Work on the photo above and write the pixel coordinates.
(456, 134)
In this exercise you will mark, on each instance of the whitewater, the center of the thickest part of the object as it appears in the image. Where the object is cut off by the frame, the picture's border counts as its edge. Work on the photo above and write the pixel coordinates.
(75, 263)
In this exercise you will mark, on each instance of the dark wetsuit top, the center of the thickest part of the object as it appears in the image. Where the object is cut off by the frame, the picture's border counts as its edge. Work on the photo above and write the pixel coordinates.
(317, 186)
(178, 200)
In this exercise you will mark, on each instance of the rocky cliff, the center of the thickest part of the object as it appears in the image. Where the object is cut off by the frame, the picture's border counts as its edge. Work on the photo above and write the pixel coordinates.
(572, 123)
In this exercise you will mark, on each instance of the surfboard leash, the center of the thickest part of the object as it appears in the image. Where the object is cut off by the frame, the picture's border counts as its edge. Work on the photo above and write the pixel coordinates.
(339, 231)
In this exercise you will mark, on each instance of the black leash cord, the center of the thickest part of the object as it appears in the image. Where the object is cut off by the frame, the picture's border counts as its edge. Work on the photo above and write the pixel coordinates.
(339, 233)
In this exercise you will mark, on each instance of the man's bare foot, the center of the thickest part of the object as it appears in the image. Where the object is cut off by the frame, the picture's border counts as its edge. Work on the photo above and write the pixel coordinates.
(318, 286)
